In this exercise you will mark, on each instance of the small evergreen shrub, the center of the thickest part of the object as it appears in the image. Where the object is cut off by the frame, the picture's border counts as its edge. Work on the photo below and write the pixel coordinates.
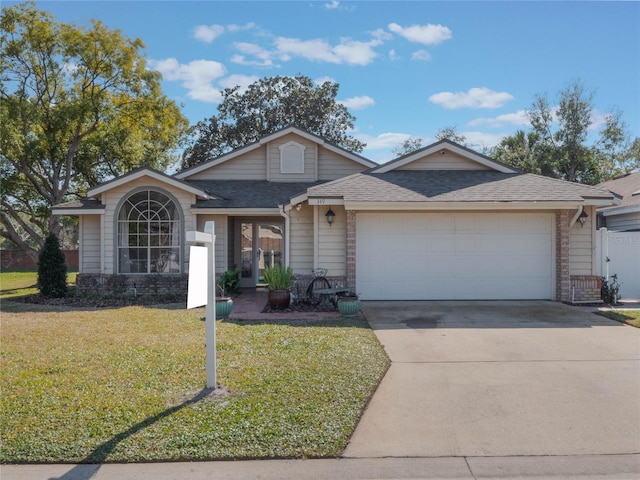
(52, 269)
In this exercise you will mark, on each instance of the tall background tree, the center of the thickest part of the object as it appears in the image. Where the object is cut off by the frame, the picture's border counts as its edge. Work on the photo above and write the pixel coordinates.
(559, 144)
(268, 105)
(77, 106)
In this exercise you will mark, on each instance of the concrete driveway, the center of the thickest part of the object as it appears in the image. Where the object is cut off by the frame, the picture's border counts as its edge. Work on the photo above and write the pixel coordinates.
(501, 379)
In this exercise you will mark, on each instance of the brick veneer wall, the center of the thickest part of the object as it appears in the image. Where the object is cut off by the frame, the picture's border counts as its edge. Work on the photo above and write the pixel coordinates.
(98, 284)
(585, 288)
(351, 249)
(563, 279)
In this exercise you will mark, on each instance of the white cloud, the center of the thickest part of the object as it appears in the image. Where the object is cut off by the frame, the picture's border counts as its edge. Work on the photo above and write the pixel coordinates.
(393, 56)
(208, 33)
(481, 140)
(426, 34)
(196, 76)
(518, 118)
(351, 52)
(598, 119)
(474, 98)
(321, 80)
(236, 28)
(384, 141)
(358, 103)
(264, 57)
(242, 81)
(421, 55)
(332, 5)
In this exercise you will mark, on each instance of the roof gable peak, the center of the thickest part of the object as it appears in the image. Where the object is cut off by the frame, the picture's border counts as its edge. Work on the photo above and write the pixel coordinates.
(467, 159)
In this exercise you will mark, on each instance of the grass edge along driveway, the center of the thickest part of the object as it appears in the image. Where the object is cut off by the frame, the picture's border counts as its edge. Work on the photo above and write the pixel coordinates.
(124, 385)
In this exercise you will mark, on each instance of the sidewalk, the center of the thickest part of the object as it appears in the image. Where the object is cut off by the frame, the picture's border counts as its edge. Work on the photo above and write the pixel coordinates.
(613, 467)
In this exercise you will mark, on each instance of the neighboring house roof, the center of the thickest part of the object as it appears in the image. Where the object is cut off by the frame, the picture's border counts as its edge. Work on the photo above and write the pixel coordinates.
(269, 138)
(457, 186)
(627, 188)
(249, 193)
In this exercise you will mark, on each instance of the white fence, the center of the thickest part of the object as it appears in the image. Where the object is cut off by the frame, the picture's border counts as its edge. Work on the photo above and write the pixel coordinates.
(619, 253)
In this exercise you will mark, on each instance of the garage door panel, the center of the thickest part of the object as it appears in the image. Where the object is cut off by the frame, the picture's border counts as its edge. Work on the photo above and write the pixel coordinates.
(455, 256)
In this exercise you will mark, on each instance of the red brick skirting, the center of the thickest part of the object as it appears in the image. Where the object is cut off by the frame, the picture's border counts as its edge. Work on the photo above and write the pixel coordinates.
(585, 288)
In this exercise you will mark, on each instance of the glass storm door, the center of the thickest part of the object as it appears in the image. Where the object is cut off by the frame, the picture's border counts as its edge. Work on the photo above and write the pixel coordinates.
(261, 246)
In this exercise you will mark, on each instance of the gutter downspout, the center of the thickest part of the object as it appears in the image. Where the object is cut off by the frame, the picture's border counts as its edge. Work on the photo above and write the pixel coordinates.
(576, 216)
(287, 237)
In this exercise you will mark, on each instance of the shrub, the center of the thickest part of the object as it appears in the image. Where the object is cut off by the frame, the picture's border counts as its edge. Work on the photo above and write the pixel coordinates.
(229, 282)
(278, 277)
(52, 269)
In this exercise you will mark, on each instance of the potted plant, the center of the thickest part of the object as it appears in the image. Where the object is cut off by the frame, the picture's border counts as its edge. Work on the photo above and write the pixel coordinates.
(278, 279)
(348, 304)
(228, 283)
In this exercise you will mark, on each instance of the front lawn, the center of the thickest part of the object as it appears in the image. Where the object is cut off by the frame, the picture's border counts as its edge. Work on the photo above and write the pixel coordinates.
(96, 385)
(18, 284)
(632, 317)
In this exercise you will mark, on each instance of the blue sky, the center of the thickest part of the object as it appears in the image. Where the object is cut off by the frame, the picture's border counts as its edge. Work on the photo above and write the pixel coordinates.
(404, 68)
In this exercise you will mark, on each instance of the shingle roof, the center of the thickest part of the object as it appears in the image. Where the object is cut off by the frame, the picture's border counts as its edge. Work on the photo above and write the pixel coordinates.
(249, 193)
(627, 187)
(455, 186)
(84, 203)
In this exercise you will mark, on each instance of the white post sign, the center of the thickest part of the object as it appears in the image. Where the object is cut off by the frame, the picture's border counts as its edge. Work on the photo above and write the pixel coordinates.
(202, 289)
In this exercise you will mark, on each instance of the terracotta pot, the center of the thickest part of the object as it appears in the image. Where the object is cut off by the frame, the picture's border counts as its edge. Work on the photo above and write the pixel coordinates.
(279, 299)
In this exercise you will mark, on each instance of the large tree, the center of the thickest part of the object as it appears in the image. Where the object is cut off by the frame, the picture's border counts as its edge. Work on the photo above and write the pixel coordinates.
(78, 106)
(560, 144)
(266, 106)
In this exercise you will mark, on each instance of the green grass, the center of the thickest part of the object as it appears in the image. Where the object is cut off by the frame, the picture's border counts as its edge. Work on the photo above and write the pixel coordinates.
(100, 385)
(631, 317)
(17, 284)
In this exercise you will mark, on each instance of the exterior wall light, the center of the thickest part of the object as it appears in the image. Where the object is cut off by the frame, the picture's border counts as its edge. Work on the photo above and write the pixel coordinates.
(583, 216)
(330, 216)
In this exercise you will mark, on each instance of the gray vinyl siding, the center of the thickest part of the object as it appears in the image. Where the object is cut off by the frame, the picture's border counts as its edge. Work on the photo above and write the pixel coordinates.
(332, 166)
(310, 160)
(581, 247)
(448, 161)
(90, 244)
(332, 252)
(624, 222)
(301, 245)
(222, 233)
(250, 166)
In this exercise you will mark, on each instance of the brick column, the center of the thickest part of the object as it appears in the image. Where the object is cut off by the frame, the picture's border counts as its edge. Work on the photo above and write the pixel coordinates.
(563, 278)
(351, 249)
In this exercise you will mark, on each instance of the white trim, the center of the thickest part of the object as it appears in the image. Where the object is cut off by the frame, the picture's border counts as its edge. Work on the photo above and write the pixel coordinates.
(236, 211)
(81, 242)
(414, 206)
(145, 172)
(474, 157)
(77, 211)
(326, 201)
(316, 237)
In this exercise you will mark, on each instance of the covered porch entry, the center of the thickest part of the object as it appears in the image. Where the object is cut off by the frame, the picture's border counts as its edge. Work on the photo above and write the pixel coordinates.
(255, 243)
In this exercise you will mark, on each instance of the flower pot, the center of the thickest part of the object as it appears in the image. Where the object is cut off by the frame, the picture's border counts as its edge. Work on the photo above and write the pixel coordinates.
(224, 305)
(349, 306)
(279, 299)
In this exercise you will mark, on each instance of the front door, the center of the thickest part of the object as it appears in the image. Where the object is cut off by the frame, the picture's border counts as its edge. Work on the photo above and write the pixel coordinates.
(260, 246)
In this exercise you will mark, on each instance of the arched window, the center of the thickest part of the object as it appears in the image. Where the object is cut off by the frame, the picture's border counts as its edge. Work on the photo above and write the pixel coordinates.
(149, 237)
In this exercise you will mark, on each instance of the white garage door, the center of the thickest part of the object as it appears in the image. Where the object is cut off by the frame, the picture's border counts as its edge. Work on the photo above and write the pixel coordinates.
(455, 256)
